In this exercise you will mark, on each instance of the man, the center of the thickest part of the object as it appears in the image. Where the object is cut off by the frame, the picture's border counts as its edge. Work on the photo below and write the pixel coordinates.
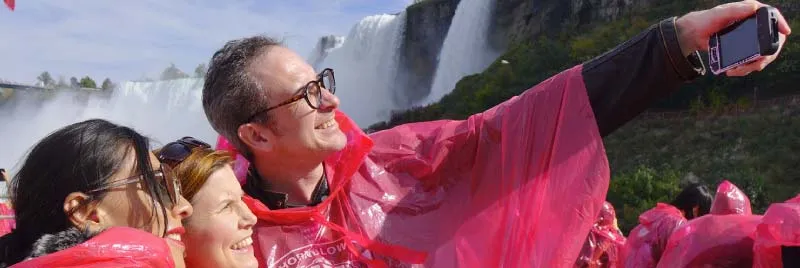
(518, 185)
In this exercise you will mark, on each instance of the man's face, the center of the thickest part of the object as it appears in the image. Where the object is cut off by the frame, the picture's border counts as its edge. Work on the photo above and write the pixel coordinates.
(296, 129)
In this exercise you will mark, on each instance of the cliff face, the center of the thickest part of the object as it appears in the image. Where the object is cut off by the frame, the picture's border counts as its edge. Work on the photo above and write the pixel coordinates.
(320, 51)
(520, 20)
(512, 21)
(427, 23)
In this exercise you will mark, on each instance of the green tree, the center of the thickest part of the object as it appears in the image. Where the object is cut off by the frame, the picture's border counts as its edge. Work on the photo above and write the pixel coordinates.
(87, 82)
(636, 191)
(717, 99)
(73, 82)
(173, 72)
(697, 105)
(61, 83)
(200, 71)
(743, 103)
(108, 85)
(46, 79)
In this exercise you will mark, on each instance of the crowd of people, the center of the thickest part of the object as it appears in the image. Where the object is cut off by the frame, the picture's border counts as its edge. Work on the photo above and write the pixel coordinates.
(699, 230)
(522, 184)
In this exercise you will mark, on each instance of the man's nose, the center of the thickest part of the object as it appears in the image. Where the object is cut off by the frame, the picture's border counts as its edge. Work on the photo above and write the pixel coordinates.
(329, 101)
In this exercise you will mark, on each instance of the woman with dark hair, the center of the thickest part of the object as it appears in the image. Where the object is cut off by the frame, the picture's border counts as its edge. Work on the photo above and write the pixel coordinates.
(648, 240)
(84, 179)
(694, 201)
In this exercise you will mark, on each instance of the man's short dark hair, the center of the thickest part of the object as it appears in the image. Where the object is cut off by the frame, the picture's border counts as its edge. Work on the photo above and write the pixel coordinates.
(231, 95)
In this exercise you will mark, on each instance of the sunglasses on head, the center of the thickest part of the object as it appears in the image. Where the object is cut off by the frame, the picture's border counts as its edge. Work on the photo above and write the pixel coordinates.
(177, 151)
(167, 185)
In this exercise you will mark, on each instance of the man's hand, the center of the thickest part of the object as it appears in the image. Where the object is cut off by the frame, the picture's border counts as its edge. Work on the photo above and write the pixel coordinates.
(696, 28)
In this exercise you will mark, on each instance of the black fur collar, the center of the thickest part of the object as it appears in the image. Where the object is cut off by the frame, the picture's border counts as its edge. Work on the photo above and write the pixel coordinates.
(50, 243)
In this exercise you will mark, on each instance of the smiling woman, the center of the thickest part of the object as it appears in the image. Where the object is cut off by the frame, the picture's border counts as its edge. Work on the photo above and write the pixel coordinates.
(218, 233)
(85, 186)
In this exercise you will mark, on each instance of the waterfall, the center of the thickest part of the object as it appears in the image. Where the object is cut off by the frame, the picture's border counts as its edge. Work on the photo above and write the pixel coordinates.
(366, 66)
(163, 111)
(466, 48)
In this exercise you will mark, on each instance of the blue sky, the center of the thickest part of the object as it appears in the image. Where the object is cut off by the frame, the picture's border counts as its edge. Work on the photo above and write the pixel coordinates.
(126, 40)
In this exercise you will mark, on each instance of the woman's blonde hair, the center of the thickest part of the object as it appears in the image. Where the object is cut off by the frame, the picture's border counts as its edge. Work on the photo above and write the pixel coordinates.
(194, 170)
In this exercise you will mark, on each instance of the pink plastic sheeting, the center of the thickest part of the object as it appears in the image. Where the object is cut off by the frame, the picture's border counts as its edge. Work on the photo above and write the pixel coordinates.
(518, 185)
(115, 247)
(240, 164)
(730, 200)
(720, 241)
(779, 227)
(604, 242)
(8, 224)
(648, 240)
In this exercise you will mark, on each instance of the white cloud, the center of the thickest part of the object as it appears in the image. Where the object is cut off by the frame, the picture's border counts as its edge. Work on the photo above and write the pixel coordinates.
(126, 39)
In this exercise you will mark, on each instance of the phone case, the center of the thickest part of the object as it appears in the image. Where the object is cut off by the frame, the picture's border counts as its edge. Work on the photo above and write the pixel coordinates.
(767, 29)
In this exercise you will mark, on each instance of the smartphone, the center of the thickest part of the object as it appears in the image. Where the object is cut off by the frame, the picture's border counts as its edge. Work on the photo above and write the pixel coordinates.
(744, 41)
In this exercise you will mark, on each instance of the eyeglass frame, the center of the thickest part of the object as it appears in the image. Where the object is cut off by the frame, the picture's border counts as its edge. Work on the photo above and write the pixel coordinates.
(174, 194)
(319, 82)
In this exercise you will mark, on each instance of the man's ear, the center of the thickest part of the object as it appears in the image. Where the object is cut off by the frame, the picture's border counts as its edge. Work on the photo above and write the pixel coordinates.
(696, 211)
(82, 212)
(257, 137)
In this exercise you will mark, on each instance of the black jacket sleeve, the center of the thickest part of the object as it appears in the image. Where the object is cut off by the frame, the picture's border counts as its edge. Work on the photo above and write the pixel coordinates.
(625, 81)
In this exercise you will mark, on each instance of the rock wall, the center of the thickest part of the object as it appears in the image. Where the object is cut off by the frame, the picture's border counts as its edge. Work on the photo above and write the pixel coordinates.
(522, 20)
(512, 21)
(320, 51)
(427, 23)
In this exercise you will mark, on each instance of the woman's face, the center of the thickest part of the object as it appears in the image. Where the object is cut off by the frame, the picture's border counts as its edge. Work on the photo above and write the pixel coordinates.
(219, 231)
(132, 206)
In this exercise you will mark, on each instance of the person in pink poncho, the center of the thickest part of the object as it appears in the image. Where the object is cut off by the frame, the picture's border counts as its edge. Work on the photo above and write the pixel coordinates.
(777, 237)
(647, 241)
(90, 194)
(605, 240)
(518, 185)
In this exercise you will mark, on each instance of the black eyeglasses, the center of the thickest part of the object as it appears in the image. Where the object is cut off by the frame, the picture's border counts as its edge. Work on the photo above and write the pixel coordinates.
(312, 89)
(176, 151)
(167, 184)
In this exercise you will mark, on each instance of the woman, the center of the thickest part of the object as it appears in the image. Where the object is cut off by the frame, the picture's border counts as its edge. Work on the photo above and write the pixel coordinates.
(218, 233)
(648, 240)
(604, 241)
(694, 201)
(84, 179)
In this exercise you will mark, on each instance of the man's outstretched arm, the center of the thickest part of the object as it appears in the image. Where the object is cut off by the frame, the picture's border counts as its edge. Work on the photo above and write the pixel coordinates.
(625, 81)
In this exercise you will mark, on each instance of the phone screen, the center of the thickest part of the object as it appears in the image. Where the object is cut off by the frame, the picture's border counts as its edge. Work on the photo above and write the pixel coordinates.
(739, 43)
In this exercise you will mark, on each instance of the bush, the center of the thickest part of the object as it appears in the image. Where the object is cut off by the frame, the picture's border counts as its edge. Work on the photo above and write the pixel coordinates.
(634, 192)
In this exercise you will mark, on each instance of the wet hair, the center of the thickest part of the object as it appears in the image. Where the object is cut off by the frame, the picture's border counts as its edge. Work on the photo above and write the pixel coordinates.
(77, 158)
(193, 172)
(694, 194)
(231, 95)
